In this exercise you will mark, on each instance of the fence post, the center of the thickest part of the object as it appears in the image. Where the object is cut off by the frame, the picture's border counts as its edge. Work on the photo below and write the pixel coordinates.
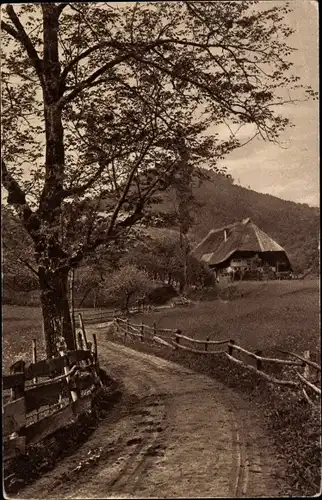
(73, 393)
(80, 341)
(231, 347)
(81, 322)
(177, 339)
(18, 391)
(72, 304)
(258, 361)
(206, 344)
(34, 360)
(34, 357)
(127, 328)
(306, 372)
(142, 332)
(95, 368)
(95, 352)
(154, 328)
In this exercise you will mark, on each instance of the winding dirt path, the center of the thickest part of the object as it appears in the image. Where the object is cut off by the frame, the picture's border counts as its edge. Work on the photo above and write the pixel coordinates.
(175, 433)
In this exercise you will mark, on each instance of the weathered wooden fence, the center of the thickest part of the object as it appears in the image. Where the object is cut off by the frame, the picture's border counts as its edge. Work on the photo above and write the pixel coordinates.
(307, 382)
(94, 317)
(106, 315)
(45, 395)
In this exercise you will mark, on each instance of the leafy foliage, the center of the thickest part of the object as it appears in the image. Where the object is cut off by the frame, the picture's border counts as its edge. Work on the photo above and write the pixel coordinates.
(19, 267)
(102, 102)
(125, 284)
(160, 254)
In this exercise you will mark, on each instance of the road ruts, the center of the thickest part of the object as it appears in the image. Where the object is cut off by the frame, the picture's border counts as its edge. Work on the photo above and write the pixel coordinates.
(175, 434)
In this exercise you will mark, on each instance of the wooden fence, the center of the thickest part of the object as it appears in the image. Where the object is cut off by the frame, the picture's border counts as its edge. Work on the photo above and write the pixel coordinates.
(91, 316)
(45, 395)
(306, 382)
(100, 316)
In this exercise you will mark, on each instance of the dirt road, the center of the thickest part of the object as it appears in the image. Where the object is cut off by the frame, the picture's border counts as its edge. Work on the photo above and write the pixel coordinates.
(175, 433)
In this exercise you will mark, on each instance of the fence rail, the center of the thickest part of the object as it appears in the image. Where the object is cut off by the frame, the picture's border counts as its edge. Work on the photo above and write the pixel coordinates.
(62, 386)
(174, 339)
(101, 316)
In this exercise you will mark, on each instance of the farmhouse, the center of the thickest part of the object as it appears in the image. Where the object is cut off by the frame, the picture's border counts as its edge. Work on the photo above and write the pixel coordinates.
(243, 251)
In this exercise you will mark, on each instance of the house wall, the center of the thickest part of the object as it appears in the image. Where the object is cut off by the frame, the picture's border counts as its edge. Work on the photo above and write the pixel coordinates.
(241, 261)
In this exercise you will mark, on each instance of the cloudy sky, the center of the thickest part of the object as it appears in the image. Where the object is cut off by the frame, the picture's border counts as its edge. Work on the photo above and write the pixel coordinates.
(291, 171)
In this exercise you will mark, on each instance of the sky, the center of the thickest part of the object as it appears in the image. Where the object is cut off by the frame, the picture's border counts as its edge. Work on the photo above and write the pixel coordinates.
(291, 170)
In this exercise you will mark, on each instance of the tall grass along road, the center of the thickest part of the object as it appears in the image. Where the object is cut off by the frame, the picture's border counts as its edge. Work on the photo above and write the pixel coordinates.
(174, 434)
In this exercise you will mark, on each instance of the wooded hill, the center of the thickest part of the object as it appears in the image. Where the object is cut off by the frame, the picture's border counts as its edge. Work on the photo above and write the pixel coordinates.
(295, 226)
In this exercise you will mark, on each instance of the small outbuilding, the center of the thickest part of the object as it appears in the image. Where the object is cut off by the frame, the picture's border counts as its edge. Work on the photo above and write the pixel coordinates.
(243, 251)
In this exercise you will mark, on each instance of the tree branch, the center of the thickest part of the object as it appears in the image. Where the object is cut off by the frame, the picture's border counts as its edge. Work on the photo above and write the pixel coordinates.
(21, 36)
(9, 29)
(78, 58)
(148, 193)
(114, 62)
(61, 7)
(16, 196)
(18, 259)
(134, 217)
(111, 233)
(79, 190)
(26, 263)
(127, 187)
(202, 86)
(83, 85)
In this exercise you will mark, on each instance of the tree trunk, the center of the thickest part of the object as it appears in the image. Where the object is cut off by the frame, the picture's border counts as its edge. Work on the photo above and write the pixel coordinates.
(184, 278)
(51, 258)
(127, 299)
(55, 309)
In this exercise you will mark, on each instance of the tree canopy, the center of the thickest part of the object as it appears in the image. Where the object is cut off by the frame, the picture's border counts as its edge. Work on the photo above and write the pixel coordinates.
(109, 102)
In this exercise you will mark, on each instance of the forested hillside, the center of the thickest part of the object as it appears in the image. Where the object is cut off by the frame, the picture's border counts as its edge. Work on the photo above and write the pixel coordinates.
(295, 226)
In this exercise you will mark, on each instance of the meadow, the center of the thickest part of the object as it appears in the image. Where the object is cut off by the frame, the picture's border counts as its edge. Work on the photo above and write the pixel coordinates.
(268, 316)
(259, 315)
(20, 324)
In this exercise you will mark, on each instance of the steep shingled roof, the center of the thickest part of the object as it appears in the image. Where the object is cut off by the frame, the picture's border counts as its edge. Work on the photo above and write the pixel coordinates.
(242, 236)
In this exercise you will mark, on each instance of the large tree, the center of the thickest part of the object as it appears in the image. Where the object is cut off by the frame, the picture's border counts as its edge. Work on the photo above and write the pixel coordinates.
(97, 100)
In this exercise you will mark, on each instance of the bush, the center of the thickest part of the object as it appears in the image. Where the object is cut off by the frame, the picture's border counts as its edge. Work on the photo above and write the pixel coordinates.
(127, 285)
(161, 294)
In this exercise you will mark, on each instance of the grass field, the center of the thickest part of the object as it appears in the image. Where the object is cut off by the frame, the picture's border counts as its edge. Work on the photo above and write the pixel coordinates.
(267, 316)
(20, 325)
